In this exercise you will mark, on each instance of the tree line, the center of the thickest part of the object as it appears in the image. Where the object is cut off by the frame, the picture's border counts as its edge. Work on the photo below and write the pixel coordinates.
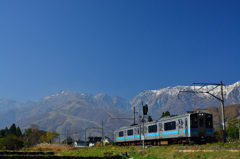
(14, 139)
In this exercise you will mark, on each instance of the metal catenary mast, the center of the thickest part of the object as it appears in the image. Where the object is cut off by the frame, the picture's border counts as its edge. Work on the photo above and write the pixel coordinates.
(202, 90)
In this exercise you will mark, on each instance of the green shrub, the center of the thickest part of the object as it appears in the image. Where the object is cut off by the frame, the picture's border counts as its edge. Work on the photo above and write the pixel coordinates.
(10, 143)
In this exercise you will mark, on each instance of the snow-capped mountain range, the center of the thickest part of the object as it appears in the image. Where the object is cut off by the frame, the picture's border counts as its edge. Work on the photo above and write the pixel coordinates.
(167, 98)
(65, 103)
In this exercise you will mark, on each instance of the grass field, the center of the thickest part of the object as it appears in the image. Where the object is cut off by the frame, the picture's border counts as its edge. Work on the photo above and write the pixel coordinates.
(218, 150)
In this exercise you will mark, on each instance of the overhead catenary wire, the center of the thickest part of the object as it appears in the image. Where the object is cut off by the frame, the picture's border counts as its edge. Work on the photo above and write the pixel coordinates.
(200, 90)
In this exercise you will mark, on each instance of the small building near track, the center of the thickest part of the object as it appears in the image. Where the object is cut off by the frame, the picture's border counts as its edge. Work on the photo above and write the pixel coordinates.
(79, 144)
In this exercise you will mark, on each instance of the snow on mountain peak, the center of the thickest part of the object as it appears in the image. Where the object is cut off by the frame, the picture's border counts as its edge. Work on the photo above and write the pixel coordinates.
(168, 90)
(173, 91)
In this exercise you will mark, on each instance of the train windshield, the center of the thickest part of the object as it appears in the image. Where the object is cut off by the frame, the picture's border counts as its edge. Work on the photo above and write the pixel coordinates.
(194, 121)
(209, 121)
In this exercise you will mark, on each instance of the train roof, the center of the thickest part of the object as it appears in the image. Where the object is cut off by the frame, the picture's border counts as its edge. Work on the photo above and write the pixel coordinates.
(192, 112)
(166, 118)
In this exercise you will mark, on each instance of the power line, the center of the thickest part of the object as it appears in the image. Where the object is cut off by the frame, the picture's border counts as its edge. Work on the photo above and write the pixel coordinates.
(201, 90)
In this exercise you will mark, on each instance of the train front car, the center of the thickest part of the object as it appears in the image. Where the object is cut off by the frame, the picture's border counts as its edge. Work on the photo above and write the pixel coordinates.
(201, 127)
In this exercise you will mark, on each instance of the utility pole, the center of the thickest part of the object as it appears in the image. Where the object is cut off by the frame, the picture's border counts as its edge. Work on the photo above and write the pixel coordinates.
(93, 134)
(140, 133)
(74, 136)
(93, 128)
(102, 133)
(50, 137)
(143, 124)
(201, 90)
(223, 114)
(67, 137)
(112, 135)
(134, 115)
(238, 131)
(85, 137)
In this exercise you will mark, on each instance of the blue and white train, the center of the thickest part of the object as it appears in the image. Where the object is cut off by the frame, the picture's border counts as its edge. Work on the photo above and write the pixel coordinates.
(190, 127)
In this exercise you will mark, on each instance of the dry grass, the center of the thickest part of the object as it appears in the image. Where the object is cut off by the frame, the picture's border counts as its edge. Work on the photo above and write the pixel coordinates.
(153, 152)
(98, 144)
(53, 148)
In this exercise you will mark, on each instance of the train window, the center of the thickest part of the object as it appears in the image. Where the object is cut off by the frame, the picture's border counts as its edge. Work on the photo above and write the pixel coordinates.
(170, 125)
(208, 119)
(194, 121)
(130, 132)
(201, 122)
(120, 134)
(152, 128)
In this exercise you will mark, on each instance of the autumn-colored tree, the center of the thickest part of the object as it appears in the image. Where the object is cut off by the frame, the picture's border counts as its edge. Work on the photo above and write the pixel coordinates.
(33, 136)
(34, 126)
(49, 137)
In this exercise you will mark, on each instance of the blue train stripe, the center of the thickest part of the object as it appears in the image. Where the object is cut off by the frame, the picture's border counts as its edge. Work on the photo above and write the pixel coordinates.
(138, 136)
(153, 134)
(130, 137)
(170, 132)
(121, 138)
(194, 131)
(209, 131)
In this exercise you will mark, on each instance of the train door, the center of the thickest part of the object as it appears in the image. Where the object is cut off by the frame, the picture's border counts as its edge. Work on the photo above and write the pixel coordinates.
(160, 129)
(201, 125)
(125, 134)
(136, 132)
(180, 128)
(186, 127)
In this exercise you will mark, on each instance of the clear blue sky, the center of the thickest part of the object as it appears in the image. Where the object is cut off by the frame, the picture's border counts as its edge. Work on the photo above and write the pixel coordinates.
(115, 47)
